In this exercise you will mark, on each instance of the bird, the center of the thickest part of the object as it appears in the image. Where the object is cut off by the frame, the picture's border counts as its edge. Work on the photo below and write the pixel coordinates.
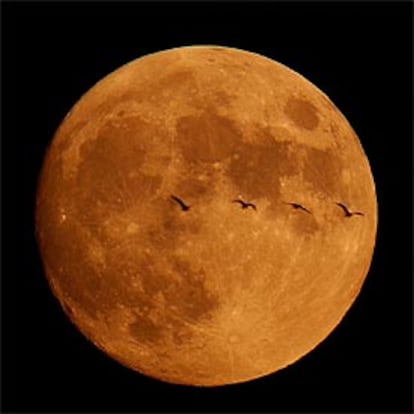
(347, 212)
(297, 206)
(183, 206)
(245, 204)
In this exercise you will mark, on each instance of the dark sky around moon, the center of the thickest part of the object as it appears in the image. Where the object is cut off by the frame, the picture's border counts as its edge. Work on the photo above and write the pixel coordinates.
(359, 54)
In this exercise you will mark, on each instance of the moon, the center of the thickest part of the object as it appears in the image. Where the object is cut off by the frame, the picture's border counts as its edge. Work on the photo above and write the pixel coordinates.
(214, 294)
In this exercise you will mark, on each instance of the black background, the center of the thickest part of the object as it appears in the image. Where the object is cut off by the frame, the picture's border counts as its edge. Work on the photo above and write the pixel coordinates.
(360, 54)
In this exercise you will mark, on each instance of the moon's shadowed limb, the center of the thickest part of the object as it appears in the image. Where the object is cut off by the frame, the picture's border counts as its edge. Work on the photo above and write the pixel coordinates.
(193, 290)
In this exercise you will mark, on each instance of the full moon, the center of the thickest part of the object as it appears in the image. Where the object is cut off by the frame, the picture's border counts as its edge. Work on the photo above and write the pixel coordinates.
(205, 215)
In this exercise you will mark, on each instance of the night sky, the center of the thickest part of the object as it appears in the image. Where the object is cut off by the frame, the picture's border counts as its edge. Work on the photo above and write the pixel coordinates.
(359, 54)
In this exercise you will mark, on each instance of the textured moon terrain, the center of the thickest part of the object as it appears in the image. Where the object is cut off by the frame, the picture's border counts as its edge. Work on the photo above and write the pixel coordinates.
(195, 215)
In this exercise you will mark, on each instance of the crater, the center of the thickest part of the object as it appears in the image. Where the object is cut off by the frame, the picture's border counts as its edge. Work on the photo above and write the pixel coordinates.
(134, 280)
(256, 168)
(180, 335)
(153, 280)
(187, 299)
(193, 187)
(161, 88)
(80, 280)
(305, 225)
(109, 179)
(144, 329)
(198, 183)
(67, 308)
(193, 299)
(175, 226)
(172, 227)
(323, 170)
(303, 113)
(208, 137)
(221, 99)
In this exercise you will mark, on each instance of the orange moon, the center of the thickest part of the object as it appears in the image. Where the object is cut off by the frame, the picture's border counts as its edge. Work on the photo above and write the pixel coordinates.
(211, 291)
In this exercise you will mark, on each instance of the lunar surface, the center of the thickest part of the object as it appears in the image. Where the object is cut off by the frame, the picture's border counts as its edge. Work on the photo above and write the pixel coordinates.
(188, 219)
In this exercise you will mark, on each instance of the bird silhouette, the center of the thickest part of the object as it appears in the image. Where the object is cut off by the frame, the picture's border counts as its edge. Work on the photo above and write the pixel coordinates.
(178, 200)
(347, 212)
(298, 206)
(244, 204)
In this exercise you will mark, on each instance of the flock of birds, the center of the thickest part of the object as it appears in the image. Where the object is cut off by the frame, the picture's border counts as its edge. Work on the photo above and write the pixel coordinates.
(245, 205)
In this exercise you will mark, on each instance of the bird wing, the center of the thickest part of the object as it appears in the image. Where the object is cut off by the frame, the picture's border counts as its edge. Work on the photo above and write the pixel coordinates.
(179, 201)
(175, 198)
(344, 207)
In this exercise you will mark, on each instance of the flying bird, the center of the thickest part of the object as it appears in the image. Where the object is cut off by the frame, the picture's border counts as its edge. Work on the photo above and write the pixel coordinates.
(297, 206)
(244, 204)
(183, 206)
(347, 212)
